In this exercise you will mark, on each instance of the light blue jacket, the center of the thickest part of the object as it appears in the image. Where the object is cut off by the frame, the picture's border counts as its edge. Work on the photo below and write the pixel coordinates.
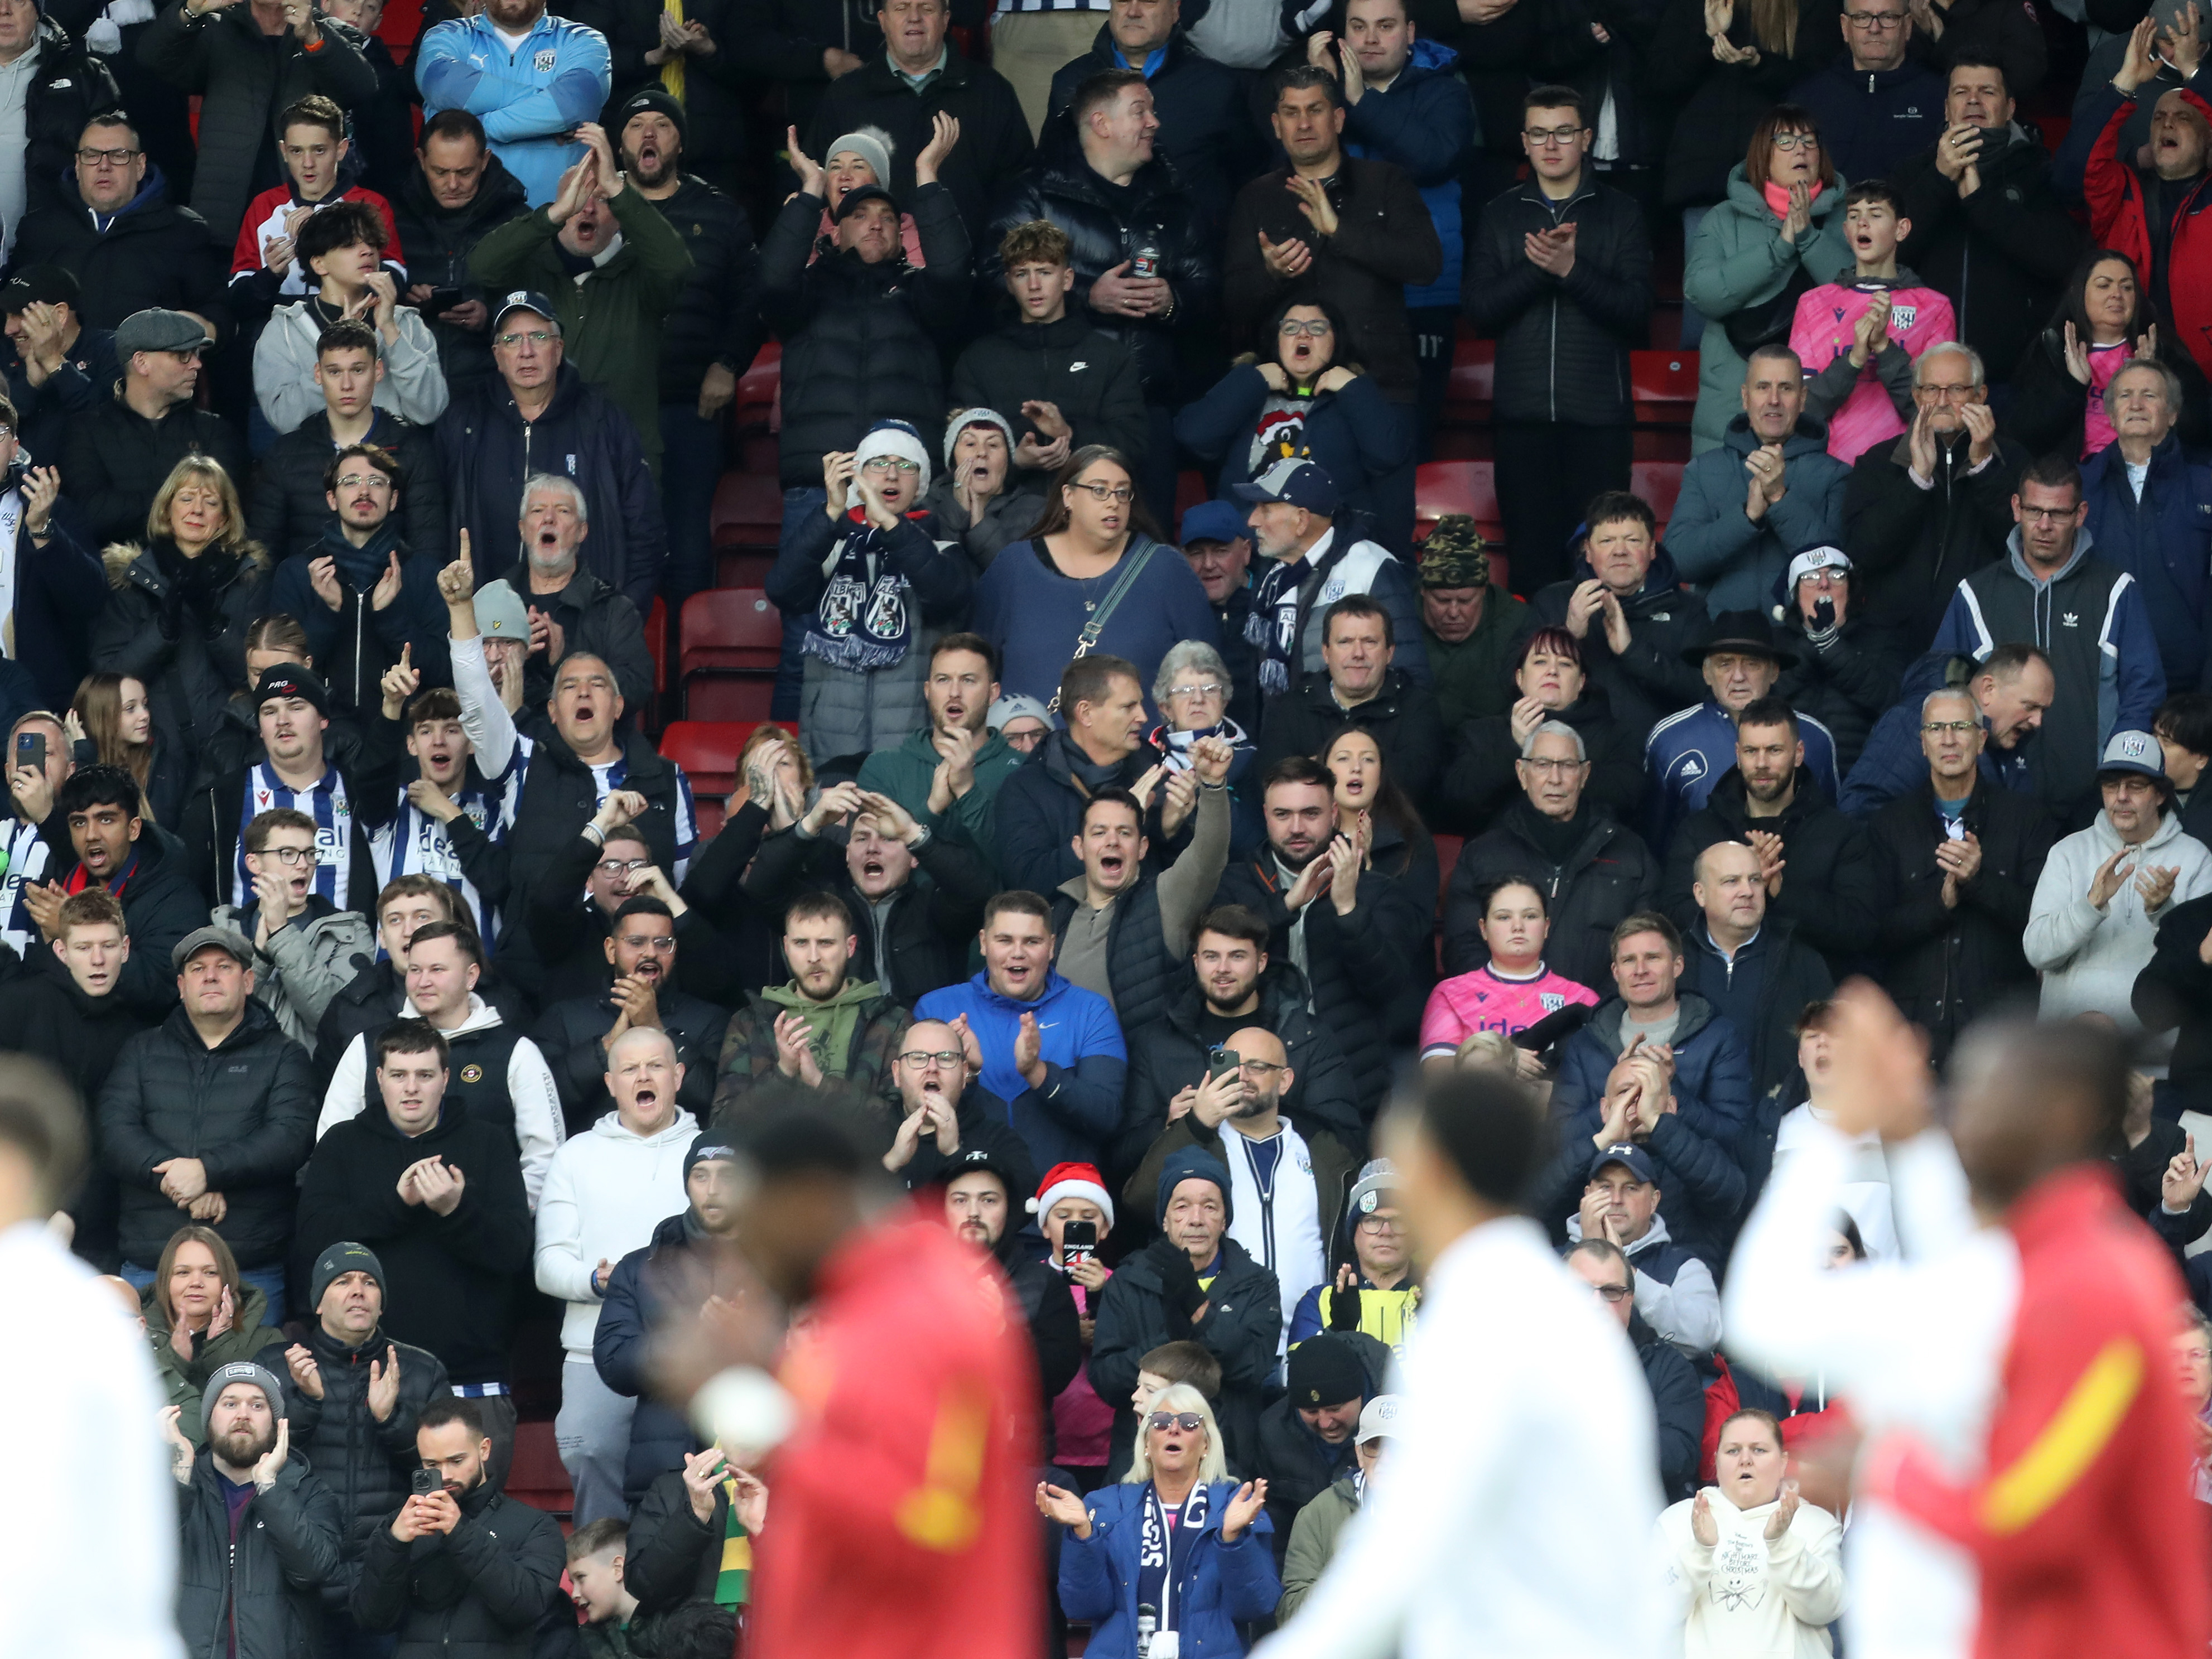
(527, 98)
(1074, 1117)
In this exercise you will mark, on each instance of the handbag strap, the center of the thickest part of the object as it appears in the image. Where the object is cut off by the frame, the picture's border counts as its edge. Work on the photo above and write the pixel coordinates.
(1132, 567)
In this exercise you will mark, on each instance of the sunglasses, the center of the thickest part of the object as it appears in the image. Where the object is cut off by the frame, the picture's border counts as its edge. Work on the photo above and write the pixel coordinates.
(1189, 1422)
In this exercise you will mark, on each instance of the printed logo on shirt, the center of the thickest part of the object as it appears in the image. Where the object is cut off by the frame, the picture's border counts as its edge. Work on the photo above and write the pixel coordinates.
(1901, 316)
(1078, 368)
(2070, 620)
(472, 1072)
(544, 61)
(1553, 1001)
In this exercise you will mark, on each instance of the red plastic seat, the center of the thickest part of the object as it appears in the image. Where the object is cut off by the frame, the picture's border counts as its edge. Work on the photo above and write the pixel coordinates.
(1190, 490)
(1441, 488)
(733, 643)
(758, 386)
(656, 641)
(748, 511)
(536, 1477)
(1659, 482)
(1663, 386)
(708, 751)
(1468, 392)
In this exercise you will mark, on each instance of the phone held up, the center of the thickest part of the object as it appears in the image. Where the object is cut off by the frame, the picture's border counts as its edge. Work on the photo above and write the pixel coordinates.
(1078, 1242)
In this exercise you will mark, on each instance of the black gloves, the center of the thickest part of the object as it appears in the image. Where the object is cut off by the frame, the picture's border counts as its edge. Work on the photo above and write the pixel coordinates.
(1344, 1309)
(1180, 1290)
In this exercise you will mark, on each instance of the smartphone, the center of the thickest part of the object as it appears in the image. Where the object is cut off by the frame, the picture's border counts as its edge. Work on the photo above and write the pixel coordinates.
(444, 300)
(427, 1483)
(31, 749)
(1078, 1242)
(1224, 1061)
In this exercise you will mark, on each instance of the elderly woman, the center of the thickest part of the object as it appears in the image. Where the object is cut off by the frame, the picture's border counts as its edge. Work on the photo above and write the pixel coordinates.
(1176, 1534)
(1780, 233)
(1192, 693)
(973, 498)
(1551, 685)
(1296, 397)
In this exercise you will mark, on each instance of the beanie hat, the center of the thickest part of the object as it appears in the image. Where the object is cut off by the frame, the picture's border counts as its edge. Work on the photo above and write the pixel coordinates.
(705, 1144)
(1325, 1370)
(1455, 555)
(1377, 1178)
(341, 1258)
(897, 438)
(1072, 1181)
(660, 101)
(968, 417)
(1193, 1165)
(870, 145)
(241, 1370)
(288, 680)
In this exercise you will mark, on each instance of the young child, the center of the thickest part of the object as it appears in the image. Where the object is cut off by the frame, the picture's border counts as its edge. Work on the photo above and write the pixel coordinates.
(1858, 336)
(310, 133)
(1082, 1423)
(595, 1582)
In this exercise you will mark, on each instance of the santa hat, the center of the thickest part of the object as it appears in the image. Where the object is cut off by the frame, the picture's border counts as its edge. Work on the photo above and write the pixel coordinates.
(1072, 1181)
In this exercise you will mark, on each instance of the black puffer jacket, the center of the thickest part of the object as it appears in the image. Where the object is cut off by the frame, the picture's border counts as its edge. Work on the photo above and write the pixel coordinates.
(860, 340)
(189, 658)
(437, 242)
(476, 1593)
(243, 1108)
(672, 1557)
(72, 84)
(1562, 343)
(1947, 966)
(716, 319)
(1828, 890)
(1105, 226)
(365, 1464)
(1093, 376)
(671, 1277)
(2002, 255)
(1847, 685)
(1650, 680)
(1482, 781)
(244, 79)
(1909, 548)
(1608, 876)
(1207, 131)
(153, 252)
(287, 513)
(117, 461)
(256, 1595)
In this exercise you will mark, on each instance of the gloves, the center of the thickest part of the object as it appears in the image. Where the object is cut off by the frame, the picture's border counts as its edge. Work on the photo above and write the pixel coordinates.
(1181, 1294)
(1822, 632)
(170, 617)
(1344, 1310)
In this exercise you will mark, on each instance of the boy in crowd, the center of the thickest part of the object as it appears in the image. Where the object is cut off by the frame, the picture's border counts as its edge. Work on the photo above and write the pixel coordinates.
(319, 170)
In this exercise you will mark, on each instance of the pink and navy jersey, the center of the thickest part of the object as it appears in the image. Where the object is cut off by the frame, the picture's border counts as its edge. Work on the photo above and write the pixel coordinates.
(1826, 323)
(327, 804)
(1484, 1001)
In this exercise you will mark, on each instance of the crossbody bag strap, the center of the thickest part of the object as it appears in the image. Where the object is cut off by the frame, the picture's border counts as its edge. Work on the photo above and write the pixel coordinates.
(1131, 569)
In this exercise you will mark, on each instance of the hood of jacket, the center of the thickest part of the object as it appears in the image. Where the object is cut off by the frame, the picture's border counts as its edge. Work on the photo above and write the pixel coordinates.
(1694, 1012)
(1654, 1236)
(140, 211)
(2108, 838)
(2017, 560)
(682, 1126)
(1811, 437)
(861, 994)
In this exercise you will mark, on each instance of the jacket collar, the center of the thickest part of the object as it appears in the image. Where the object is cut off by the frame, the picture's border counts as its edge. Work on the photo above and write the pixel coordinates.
(1811, 437)
(2017, 561)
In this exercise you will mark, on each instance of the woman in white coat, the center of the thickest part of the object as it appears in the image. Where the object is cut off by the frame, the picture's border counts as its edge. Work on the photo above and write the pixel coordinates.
(1758, 1572)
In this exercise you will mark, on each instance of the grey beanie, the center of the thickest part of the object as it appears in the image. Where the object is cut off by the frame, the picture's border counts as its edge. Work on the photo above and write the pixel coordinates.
(241, 1370)
(968, 417)
(344, 1257)
(871, 144)
(1376, 1178)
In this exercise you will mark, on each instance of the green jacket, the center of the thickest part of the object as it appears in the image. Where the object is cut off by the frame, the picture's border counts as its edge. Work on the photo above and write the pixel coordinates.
(749, 1056)
(612, 322)
(904, 774)
(1313, 1543)
(1738, 258)
(183, 1382)
(1475, 677)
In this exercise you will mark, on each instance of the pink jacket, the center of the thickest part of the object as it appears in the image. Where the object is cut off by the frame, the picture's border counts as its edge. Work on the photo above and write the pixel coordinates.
(1481, 1001)
(1827, 318)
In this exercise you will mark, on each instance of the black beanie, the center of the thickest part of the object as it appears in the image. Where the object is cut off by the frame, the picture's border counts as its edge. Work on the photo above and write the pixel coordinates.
(1325, 1370)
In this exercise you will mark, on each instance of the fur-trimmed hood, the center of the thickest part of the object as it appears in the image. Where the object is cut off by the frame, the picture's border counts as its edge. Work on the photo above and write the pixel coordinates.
(126, 561)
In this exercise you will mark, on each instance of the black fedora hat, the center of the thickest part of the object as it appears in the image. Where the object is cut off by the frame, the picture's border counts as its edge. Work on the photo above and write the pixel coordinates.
(1741, 630)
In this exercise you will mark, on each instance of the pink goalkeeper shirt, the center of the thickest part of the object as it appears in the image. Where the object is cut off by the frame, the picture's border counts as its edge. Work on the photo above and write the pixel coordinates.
(1485, 1001)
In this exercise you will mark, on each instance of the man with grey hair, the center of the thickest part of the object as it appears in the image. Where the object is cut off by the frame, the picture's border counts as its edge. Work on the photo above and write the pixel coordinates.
(1922, 513)
(2150, 513)
(1745, 959)
(1956, 860)
(569, 608)
(1591, 872)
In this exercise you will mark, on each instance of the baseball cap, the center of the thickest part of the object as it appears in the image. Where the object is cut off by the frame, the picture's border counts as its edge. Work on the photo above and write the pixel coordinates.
(523, 299)
(1295, 483)
(1213, 521)
(501, 614)
(1820, 556)
(39, 285)
(1379, 1419)
(2138, 752)
(1630, 1157)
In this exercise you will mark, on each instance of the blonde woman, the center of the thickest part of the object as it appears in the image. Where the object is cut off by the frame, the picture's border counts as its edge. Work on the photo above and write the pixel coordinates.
(1176, 1535)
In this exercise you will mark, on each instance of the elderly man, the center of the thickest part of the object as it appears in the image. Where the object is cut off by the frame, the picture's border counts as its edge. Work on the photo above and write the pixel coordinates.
(1769, 489)
(1989, 229)
(1816, 868)
(2150, 513)
(533, 79)
(1956, 860)
(1625, 604)
(122, 450)
(1748, 961)
(1359, 685)
(1217, 540)
(570, 608)
(2011, 688)
(494, 435)
(1471, 628)
(2104, 889)
(2104, 661)
(1688, 753)
(1876, 105)
(1593, 872)
(1935, 506)
(1847, 672)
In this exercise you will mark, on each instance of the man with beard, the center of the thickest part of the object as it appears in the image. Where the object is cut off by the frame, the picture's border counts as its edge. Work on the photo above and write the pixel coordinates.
(455, 194)
(2160, 532)
(949, 1113)
(356, 1393)
(578, 1036)
(709, 339)
(980, 1209)
(604, 1192)
(1818, 867)
(1354, 936)
(537, 78)
(947, 774)
(467, 1566)
(257, 1535)
(305, 948)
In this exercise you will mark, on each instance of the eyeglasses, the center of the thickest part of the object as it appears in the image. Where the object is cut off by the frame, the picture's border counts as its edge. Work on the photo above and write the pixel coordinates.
(113, 158)
(1876, 21)
(6, 432)
(289, 856)
(1786, 141)
(1959, 728)
(1955, 394)
(1612, 1292)
(354, 480)
(1261, 1066)
(891, 463)
(621, 866)
(924, 1060)
(1294, 330)
(1554, 769)
(2049, 514)
(1174, 691)
(1380, 1223)
(1120, 495)
(659, 945)
(1547, 137)
(1189, 1422)
(536, 337)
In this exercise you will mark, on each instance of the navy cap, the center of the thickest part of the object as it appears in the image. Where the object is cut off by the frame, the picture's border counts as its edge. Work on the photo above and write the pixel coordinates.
(1214, 522)
(523, 299)
(1630, 1157)
(1294, 483)
(860, 193)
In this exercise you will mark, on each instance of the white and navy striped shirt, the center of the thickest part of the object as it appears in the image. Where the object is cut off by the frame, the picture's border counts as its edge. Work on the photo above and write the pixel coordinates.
(327, 804)
(27, 862)
(413, 843)
(605, 779)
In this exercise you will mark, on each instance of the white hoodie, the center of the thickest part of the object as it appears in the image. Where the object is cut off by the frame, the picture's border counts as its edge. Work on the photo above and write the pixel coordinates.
(537, 1103)
(1748, 1597)
(2089, 957)
(606, 1191)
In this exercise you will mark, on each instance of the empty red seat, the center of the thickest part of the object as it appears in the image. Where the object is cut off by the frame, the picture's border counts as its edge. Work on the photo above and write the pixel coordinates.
(1663, 385)
(748, 511)
(733, 641)
(1190, 490)
(758, 385)
(1468, 392)
(656, 641)
(1659, 482)
(536, 1477)
(1441, 488)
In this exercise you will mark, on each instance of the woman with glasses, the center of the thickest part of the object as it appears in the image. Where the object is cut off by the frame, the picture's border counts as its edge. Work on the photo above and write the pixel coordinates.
(1176, 1534)
(1512, 991)
(1551, 685)
(1297, 397)
(1373, 1287)
(2103, 322)
(1092, 580)
(1192, 691)
(1778, 234)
